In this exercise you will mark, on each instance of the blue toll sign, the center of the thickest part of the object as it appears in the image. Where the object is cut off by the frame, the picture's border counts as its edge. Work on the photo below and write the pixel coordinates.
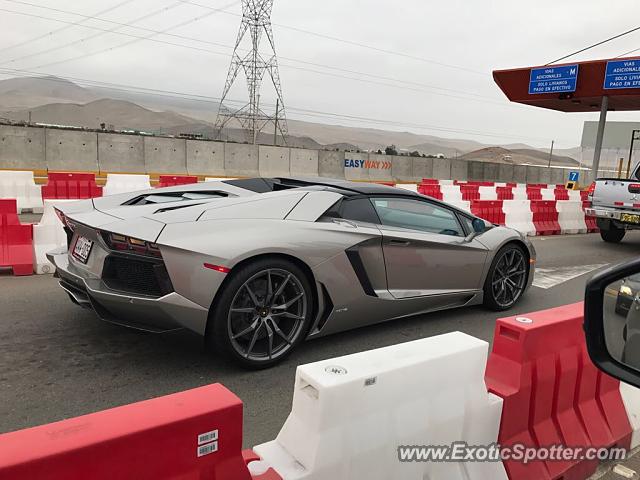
(562, 79)
(574, 176)
(622, 74)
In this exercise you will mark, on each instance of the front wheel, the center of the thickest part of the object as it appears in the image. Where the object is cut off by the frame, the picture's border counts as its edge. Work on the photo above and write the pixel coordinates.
(613, 235)
(507, 278)
(262, 314)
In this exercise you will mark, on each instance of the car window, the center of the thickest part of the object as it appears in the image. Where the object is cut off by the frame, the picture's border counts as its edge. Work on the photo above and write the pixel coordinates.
(417, 215)
(467, 222)
(359, 210)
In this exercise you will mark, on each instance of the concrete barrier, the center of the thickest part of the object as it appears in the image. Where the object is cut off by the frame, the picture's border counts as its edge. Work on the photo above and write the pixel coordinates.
(402, 169)
(303, 162)
(274, 161)
(241, 160)
(120, 153)
(70, 150)
(356, 165)
(442, 168)
(205, 158)
(459, 169)
(422, 168)
(331, 164)
(165, 155)
(22, 148)
(350, 414)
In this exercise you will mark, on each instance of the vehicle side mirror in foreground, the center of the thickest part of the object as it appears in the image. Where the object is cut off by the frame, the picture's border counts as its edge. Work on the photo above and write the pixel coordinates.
(478, 225)
(612, 321)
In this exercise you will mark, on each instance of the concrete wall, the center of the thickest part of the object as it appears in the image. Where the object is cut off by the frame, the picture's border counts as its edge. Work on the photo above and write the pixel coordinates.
(71, 150)
(304, 162)
(165, 155)
(120, 153)
(205, 158)
(331, 164)
(22, 148)
(58, 149)
(241, 160)
(274, 161)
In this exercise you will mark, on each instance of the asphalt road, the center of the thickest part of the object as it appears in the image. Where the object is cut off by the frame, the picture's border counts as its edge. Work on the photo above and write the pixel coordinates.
(58, 360)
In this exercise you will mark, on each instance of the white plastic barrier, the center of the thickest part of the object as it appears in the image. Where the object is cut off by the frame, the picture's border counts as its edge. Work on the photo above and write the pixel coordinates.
(451, 193)
(518, 216)
(520, 193)
(412, 187)
(631, 400)
(350, 414)
(461, 204)
(121, 183)
(488, 193)
(21, 186)
(571, 217)
(548, 193)
(47, 235)
(575, 196)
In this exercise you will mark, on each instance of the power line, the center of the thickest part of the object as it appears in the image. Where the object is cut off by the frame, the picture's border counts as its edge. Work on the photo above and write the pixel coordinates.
(222, 10)
(298, 110)
(358, 44)
(470, 96)
(595, 45)
(53, 32)
(84, 39)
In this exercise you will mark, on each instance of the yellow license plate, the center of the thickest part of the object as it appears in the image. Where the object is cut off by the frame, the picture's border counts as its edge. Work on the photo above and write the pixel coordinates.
(628, 218)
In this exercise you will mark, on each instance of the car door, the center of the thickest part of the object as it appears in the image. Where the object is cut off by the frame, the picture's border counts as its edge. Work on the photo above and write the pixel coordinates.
(426, 249)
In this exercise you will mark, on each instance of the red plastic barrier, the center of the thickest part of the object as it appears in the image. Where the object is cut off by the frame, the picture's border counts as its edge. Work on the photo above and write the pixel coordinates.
(537, 185)
(174, 180)
(16, 240)
(482, 184)
(250, 456)
(552, 393)
(534, 193)
(470, 192)
(561, 194)
(584, 195)
(512, 184)
(71, 186)
(430, 181)
(430, 190)
(170, 437)
(490, 210)
(592, 226)
(504, 193)
(545, 217)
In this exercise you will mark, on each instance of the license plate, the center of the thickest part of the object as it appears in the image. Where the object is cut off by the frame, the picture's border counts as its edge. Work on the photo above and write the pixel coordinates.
(629, 218)
(82, 249)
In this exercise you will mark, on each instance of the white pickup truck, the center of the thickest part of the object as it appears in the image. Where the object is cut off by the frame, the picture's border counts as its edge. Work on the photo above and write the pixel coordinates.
(615, 203)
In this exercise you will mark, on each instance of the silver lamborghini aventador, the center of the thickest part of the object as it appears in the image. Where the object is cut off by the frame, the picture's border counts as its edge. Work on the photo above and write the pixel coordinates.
(258, 265)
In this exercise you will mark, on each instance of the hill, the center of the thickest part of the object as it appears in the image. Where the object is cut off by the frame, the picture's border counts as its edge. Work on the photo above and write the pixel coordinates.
(518, 156)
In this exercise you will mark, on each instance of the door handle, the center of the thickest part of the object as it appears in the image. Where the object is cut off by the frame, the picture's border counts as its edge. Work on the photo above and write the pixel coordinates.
(399, 243)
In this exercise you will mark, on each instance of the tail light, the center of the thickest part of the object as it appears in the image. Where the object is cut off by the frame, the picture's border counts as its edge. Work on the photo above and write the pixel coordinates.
(123, 243)
(63, 218)
(591, 189)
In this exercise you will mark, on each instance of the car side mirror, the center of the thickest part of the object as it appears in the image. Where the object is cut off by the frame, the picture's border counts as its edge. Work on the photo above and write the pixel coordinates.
(478, 225)
(612, 321)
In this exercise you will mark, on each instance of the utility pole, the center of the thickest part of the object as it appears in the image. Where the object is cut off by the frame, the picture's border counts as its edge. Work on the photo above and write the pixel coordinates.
(256, 19)
(275, 126)
(633, 139)
(551, 152)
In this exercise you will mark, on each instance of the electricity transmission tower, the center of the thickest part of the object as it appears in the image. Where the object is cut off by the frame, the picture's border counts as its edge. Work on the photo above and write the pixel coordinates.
(256, 21)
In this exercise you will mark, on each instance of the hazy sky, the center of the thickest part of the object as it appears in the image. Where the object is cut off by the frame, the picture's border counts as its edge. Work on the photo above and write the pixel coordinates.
(410, 90)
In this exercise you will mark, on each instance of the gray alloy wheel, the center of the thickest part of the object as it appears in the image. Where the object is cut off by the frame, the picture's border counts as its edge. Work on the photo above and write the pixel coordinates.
(507, 278)
(267, 315)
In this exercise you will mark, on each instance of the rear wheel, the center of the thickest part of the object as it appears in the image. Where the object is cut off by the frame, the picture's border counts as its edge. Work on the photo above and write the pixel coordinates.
(613, 235)
(507, 278)
(263, 313)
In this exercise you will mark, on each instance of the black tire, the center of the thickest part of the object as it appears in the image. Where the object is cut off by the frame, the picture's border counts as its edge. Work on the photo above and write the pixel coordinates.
(494, 299)
(248, 288)
(613, 235)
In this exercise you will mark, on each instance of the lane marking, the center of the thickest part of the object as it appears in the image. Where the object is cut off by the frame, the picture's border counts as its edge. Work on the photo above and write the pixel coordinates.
(550, 277)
